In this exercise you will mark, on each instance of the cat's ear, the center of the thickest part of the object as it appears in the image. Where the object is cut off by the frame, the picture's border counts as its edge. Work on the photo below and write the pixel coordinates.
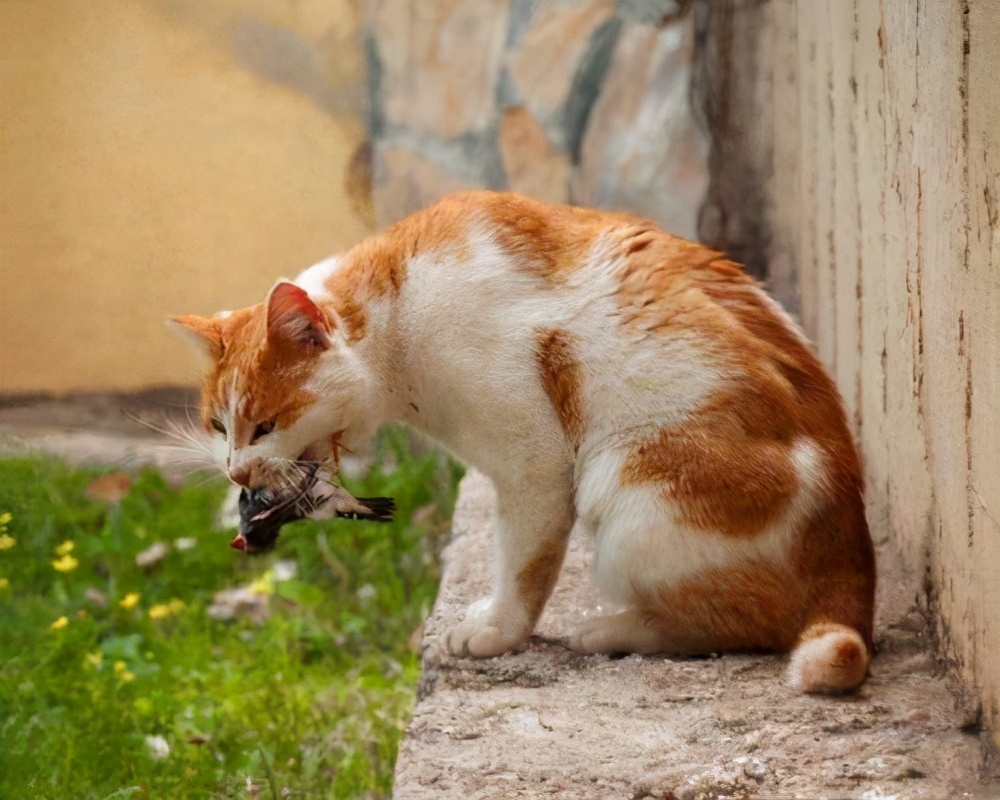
(202, 334)
(294, 319)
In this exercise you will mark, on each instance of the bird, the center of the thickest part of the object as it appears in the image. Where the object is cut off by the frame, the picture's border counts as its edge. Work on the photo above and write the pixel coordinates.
(262, 514)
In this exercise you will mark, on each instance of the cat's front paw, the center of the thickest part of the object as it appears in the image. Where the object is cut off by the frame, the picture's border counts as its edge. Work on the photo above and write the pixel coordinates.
(481, 634)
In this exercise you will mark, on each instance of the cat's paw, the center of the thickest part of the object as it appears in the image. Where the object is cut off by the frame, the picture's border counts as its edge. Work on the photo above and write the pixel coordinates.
(624, 632)
(595, 636)
(480, 635)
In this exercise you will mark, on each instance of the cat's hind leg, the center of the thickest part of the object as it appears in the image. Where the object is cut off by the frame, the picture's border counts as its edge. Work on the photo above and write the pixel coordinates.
(686, 591)
(627, 631)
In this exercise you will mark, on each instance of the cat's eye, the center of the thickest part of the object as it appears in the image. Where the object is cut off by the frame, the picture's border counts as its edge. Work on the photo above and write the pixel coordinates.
(219, 427)
(262, 429)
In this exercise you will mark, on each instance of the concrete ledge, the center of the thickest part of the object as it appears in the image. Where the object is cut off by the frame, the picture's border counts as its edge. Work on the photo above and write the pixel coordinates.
(547, 721)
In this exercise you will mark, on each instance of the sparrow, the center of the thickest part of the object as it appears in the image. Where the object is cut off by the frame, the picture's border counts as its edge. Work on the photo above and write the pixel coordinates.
(262, 515)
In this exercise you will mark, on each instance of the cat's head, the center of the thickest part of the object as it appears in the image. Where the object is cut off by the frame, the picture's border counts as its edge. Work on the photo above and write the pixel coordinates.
(281, 390)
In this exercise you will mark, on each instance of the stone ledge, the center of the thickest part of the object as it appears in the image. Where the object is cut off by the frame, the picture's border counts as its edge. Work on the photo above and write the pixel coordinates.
(547, 721)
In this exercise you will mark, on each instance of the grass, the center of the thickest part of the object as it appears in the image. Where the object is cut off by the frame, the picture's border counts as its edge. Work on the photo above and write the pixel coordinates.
(148, 696)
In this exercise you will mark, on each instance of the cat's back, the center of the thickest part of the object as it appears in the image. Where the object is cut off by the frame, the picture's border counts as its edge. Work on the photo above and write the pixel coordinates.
(660, 326)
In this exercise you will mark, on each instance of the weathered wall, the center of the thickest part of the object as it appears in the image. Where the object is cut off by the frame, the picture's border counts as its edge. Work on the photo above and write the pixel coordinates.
(582, 101)
(884, 197)
(158, 157)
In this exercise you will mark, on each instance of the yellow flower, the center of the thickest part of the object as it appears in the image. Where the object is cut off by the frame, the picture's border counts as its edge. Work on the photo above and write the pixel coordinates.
(164, 610)
(122, 671)
(4, 584)
(7, 541)
(5, 518)
(264, 584)
(130, 600)
(65, 548)
(95, 659)
(59, 624)
(66, 563)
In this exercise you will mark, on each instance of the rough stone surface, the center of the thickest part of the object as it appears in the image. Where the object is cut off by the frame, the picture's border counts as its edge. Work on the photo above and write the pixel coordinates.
(534, 167)
(593, 83)
(406, 181)
(732, 89)
(642, 149)
(549, 722)
(439, 62)
(552, 51)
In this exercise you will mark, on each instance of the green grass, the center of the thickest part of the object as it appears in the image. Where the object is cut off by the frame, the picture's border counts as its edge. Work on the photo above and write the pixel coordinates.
(312, 703)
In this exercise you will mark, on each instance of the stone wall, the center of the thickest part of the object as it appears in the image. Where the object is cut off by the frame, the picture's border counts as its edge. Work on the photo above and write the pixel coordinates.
(881, 203)
(582, 101)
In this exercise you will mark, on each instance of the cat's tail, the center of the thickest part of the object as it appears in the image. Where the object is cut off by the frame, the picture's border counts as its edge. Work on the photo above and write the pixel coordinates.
(834, 646)
(829, 658)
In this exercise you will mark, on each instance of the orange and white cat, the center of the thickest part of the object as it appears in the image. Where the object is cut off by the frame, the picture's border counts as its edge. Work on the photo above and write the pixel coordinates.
(598, 370)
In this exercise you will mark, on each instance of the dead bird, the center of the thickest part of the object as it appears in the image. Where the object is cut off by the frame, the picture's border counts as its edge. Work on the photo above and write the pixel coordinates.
(261, 517)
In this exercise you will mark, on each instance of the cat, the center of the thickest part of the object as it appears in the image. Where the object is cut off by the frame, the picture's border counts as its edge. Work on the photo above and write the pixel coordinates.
(599, 370)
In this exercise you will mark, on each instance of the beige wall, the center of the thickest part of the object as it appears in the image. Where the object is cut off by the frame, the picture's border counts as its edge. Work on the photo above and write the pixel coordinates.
(162, 156)
(886, 194)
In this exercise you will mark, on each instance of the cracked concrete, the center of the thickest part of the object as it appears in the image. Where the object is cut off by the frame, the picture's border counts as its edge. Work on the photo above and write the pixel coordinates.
(550, 722)
(547, 721)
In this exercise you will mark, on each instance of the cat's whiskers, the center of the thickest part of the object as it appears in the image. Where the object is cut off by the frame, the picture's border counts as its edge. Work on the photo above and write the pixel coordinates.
(190, 446)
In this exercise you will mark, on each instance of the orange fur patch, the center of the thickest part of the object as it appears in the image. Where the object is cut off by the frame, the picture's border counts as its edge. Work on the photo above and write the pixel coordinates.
(758, 606)
(268, 379)
(547, 240)
(538, 576)
(376, 268)
(729, 467)
(562, 379)
(722, 479)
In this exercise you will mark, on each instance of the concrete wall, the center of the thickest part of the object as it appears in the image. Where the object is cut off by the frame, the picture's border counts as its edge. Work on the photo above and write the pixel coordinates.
(883, 203)
(163, 156)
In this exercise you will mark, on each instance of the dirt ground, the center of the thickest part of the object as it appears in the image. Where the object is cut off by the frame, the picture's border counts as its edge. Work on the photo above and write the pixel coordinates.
(549, 722)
